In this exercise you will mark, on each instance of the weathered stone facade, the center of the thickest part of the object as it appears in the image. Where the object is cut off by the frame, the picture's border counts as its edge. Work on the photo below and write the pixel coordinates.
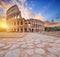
(18, 24)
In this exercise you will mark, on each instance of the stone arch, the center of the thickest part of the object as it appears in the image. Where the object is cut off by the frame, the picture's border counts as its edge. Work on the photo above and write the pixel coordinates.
(18, 29)
(18, 22)
(29, 29)
(21, 22)
(21, 29)
(32, 30)
(25, 29)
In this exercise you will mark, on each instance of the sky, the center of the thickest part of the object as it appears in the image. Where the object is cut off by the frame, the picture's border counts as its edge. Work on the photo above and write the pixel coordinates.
(38, 9)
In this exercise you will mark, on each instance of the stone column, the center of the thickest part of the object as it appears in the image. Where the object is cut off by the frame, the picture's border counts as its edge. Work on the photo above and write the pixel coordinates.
(23, 30)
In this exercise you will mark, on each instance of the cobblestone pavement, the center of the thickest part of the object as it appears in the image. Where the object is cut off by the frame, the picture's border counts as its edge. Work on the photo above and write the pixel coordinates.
(31, 45)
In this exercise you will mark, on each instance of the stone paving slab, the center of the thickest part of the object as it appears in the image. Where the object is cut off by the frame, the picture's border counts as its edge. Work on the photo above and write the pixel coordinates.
(31, 45)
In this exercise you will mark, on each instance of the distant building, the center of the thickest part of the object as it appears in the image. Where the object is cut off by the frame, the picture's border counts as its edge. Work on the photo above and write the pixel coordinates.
(18, 24)
(51, 24)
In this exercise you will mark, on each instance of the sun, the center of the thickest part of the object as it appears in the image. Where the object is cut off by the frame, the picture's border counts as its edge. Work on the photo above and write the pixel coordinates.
(40, 17)
(3, 24)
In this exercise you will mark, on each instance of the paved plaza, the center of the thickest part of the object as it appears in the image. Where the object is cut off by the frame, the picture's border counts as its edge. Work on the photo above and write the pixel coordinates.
(30, 45)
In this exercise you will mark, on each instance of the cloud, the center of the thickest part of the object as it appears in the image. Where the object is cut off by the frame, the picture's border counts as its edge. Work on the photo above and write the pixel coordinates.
(3, 7)
(25, 11)
(23, 1)
(39, 16)
(26, 4)
(23, 7)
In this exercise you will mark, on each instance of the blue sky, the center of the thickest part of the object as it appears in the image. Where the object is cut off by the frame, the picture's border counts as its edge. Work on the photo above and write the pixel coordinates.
(49, 9)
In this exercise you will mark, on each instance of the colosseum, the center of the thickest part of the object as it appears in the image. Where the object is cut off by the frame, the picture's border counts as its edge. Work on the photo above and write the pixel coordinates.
(18, 24)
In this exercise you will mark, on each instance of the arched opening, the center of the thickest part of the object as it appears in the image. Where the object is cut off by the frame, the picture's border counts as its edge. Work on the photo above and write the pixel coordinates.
(18, 22)
(29, 30)
(25, 29)
(18, 29)
(21, 22)
(21, 30)
(32, 30)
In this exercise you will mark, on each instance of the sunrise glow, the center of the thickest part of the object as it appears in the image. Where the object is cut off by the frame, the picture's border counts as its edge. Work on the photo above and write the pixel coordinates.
(3, 24)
